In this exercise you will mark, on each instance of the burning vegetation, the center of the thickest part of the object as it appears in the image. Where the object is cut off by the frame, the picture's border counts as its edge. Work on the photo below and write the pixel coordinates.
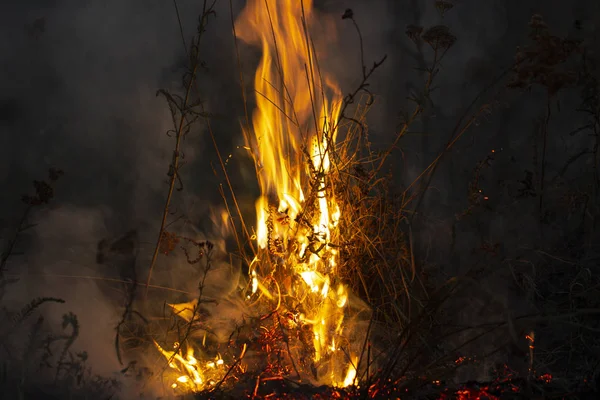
(335, 305)
(332, 303)
(307, 323)
(330, 300)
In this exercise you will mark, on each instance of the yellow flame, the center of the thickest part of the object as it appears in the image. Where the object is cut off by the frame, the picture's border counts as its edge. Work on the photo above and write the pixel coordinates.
(351, 374)
(292, 140)
(289, 101)
(193, 377)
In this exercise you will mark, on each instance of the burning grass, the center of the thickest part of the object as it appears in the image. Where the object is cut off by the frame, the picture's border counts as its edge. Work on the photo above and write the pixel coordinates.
(306, 317)
(331, 301)
(327, 228)
(334, 303)
(329, 266)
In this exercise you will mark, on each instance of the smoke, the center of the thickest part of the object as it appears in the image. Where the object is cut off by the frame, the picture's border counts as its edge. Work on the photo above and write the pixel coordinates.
(78, 93)
(79, 83)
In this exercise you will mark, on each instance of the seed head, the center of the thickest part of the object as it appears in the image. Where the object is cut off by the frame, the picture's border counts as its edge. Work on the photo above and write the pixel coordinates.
(443, 6)
(414, 32)
(439, 37)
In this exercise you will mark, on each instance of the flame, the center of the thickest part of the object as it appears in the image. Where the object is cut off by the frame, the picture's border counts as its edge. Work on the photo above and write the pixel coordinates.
(289, 106)
(194, 376)
(292, 141)
(351, 374)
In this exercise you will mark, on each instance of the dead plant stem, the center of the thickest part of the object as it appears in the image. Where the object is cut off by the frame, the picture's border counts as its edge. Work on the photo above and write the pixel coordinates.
(174, 168)
(543, 166)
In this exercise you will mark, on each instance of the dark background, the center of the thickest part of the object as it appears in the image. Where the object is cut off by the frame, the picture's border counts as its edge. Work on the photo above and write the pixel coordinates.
(78, 83)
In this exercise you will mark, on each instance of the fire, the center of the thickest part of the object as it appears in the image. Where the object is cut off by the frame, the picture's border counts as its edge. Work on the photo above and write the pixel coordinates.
(351, 374)
(194, 375)
(292, 141)
(294, 272)
(290, 108)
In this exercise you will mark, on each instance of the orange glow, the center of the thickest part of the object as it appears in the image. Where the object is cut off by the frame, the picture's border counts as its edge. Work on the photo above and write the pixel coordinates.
(292, 139)
(194, 375)
(290, 108)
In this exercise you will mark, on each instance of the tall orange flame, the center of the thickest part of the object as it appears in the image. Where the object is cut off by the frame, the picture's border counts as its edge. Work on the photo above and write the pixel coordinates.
(292, 105)
(292, 140)
(294, 134)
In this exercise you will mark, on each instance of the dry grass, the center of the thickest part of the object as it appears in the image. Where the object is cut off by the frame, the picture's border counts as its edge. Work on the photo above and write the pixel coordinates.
(407, 342)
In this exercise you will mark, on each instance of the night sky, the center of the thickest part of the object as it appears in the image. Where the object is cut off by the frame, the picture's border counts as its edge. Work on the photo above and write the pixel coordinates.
(78, 86)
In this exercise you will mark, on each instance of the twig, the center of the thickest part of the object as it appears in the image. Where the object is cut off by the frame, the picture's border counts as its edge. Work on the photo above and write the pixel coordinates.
(11, 245)
(545, 142)
(174, 167)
